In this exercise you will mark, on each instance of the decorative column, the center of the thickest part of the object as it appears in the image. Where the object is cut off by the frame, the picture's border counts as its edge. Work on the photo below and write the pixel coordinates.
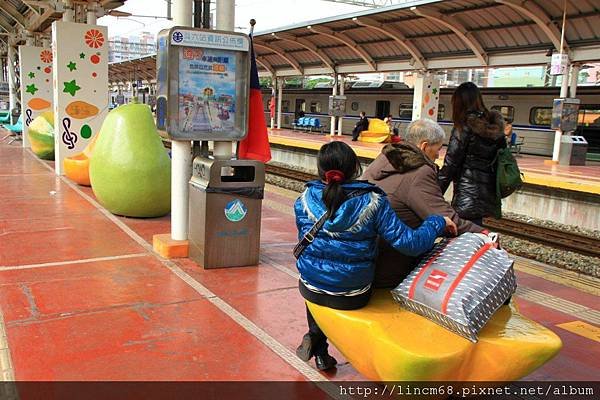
(80, 75)
(36, 84)
(426, 96)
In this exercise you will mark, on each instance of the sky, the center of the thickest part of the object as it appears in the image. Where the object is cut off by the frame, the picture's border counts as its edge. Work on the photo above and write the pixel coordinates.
(268, 14)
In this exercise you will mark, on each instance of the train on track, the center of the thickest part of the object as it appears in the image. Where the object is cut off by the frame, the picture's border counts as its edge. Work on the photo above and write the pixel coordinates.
(530, 109)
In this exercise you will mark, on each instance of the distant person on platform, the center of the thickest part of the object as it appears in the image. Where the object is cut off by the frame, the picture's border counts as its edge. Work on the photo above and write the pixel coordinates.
(400, 166)
(476, 137)
(361, 125)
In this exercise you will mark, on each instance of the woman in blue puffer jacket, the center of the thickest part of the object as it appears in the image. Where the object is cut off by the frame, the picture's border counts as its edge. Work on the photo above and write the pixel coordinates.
(337, 267)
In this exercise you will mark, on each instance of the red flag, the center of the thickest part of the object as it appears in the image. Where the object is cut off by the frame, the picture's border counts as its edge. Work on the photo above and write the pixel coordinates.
(256, 144)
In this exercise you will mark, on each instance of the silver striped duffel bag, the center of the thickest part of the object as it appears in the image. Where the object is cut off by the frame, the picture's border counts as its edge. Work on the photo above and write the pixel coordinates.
(459, 284)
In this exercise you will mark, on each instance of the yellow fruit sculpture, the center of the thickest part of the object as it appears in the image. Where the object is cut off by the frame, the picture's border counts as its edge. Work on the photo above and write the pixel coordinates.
(41, 135)
(378, 132)
(77, 167)
(387, 343)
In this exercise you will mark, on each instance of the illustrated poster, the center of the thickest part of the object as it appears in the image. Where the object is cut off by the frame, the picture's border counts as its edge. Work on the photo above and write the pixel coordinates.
(206, 90)
(80, 82)
(36, 84)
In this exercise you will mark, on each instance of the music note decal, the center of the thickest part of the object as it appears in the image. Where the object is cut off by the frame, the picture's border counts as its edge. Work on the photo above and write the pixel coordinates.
(28, 113)
(69, 138)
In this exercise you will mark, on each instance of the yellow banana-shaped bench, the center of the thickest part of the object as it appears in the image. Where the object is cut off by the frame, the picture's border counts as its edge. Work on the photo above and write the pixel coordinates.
(387, 343)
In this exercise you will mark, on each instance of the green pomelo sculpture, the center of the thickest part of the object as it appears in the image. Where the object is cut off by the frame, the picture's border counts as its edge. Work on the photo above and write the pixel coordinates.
(130, 170)
(41, 135)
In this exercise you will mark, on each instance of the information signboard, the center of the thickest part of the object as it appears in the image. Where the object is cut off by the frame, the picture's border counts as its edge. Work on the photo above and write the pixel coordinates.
(564, 114)
(203, 77)
(337, 106)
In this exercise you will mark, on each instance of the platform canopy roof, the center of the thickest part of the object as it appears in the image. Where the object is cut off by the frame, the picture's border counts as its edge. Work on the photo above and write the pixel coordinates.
(420, 35)
(143, 68)
(36, 16)
(432, 35)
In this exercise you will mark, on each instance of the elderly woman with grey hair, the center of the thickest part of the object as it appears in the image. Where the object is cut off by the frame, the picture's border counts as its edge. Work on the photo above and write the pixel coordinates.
(408, 174)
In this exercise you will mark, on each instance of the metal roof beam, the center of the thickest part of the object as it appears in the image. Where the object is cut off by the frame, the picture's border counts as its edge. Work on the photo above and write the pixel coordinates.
(397, 36)
(13, 13)
(36, 23)
(342, 37)
(308, 45)
(266, 66)
(537, 14)
(458, 28)
(281, 53)
(6, 26)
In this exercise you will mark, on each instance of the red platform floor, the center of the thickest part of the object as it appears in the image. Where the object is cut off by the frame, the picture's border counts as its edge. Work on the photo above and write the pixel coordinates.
(83, 296)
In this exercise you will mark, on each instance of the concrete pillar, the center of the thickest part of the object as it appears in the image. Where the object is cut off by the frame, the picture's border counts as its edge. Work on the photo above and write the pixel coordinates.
(426, 96)
(564, 92)
(225, 22)
(334, 93)
(181, 151)
(12, 89)
(91, 13)
(574, 77)
(279, 100)
(69, 13)
(225, 15)
(341, 119)
(182, 11)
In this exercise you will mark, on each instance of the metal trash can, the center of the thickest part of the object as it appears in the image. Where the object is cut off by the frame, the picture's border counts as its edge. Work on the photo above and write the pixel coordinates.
(225, 203)
(573, 150)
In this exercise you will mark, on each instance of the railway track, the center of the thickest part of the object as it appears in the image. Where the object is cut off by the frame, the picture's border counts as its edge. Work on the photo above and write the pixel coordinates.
(554, 238)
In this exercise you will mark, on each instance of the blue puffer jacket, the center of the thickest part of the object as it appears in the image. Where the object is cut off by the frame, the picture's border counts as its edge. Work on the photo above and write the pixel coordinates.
(341, 258)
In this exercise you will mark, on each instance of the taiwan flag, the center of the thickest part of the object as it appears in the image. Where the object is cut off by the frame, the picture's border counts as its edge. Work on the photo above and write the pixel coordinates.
(256, 144)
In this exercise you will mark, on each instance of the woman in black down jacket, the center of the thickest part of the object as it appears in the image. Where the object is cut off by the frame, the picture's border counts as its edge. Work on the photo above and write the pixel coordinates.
(477, 136)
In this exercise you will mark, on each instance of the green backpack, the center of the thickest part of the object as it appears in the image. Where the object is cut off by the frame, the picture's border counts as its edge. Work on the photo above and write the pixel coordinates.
(508, 175)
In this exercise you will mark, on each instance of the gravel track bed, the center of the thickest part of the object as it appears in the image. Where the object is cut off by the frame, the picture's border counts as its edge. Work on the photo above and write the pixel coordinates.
(533, 251)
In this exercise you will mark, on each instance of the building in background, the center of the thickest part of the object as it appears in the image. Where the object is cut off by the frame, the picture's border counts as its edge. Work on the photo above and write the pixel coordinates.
(123, 48)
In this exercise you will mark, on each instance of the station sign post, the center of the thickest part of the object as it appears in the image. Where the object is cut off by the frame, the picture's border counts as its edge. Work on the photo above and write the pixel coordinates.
(337, 106)
(203, 84)
(203, 89)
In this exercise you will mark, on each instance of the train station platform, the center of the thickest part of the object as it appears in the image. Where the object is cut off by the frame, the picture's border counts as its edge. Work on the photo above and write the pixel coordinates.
(84, 297)
(584, 179)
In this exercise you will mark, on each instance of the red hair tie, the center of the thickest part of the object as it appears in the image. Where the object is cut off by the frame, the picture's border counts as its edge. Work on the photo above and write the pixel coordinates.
(334, 175)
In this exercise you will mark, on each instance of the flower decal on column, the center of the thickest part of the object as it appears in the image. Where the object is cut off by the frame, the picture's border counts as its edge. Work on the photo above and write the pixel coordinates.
(94, 38)
(46, 56)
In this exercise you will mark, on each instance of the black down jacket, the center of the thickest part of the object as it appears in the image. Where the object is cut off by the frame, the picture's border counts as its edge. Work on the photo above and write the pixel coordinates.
(470, 165)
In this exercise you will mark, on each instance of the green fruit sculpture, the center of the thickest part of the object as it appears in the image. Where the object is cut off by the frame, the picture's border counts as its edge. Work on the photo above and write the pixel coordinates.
(130, 170)
(41, 135)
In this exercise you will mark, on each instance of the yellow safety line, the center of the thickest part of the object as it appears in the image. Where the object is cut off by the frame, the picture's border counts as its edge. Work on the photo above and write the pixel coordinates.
(582, 329)
(583, 283)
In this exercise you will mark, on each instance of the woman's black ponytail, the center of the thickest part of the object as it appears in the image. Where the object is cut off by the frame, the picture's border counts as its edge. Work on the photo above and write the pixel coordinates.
(337, 163)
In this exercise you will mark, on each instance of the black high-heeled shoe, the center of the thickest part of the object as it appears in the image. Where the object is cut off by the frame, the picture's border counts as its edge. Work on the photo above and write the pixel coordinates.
(325, 362)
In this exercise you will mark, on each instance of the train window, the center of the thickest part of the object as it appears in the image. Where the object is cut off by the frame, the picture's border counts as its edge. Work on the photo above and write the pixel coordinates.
(315, 106)
(589, 116)
(355, 106)
(441, 112)
(285, 105)
(508, 112)
(540, 115)
(405, 111)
